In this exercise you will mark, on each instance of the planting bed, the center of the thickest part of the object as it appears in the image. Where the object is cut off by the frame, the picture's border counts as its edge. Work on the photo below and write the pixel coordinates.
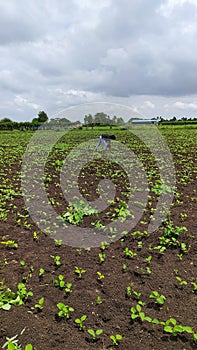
(118, 276)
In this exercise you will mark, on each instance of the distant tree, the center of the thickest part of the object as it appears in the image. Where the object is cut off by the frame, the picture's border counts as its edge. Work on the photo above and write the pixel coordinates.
(88, 119)
(42, 117)
(35, 121)
(6, 120)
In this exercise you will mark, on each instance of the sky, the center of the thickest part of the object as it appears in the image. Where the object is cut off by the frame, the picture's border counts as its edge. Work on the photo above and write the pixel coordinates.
(58, 54)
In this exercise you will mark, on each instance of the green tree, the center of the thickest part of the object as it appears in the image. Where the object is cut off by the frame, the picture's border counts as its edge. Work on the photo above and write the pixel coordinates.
(5, 120)
(42, 117)
(88, 119)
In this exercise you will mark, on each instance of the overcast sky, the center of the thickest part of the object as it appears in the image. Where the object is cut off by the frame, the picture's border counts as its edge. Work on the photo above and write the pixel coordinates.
(139, 53)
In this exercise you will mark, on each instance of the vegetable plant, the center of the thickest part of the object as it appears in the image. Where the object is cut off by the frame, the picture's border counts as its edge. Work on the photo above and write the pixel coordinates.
(64, 310)
(159, 298)
(116, 339)
(39, 305)
(94, 334)
(79, 271)
(79, 322)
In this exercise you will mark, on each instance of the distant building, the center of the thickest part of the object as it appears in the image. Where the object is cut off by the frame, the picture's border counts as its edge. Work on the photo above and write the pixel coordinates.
(145, 121)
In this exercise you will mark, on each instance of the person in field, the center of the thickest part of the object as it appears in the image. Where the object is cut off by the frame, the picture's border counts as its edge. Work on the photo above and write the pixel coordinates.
(105, 139)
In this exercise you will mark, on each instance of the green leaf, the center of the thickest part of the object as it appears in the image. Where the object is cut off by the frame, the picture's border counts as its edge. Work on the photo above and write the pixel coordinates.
(195, 337)
(29, 347)
(171, 320)
(91, 332)
(138, 308)
(118, 336)
(168, 329)
(77, 320)
(134, 316)
(99, 331)
(188, 329)
(11, 346)
(83, 318)
(6, 307)
(155, 321)
(148, 319)
(178, 329)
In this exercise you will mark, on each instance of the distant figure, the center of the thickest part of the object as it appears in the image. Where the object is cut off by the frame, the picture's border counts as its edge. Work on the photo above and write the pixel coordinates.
(105, 139)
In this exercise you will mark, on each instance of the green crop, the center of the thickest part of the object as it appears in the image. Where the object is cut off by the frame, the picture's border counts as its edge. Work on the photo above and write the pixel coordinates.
(64, 310)
(79, 322)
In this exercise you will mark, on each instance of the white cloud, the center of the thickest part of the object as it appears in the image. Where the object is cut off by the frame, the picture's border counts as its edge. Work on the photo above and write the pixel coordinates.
(184, 105)
(55, 54)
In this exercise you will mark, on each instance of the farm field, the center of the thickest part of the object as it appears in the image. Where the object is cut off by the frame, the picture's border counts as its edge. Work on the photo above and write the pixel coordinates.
(138, 292)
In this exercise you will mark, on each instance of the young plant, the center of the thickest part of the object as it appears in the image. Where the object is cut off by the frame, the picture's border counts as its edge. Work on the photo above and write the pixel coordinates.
(100, 276)
(79, 322)
(59, 282)
(79, 271)
(39, 306)
(64, 310)
(94, 334)
(159, 298)
(102, 257)
(56, 259)
(10, 244)
(41, 272)
(68, 287)
(129, 254)
(99, 300)
(124, 267)
(116, 339)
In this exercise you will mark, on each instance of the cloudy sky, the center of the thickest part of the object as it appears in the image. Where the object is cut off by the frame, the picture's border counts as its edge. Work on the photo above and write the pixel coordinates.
(61, 53)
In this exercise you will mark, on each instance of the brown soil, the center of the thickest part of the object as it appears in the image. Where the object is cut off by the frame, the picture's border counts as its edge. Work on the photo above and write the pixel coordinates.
(46, 331)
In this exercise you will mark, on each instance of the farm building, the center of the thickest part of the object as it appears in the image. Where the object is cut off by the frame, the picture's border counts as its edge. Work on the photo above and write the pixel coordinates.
(145, 121)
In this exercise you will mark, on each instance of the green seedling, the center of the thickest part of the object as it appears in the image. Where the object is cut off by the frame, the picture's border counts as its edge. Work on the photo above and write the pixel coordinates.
(159, 298)
(116, 339)
(58, 242)
(148, 260)
(102, 257)
(128, 292)
(35, 236)
(22, 292)
(79, 322)
(79, 271)
(181, 282)
(12, 344)
(59, 282)
(10, 244)
(100, 276)
(56, 259)
(39, 306)
(129, 254)
(41, 272)
(94, 334)
(99, 300)
(194, 287)
(64, 310)
(23, 263)
(68, 287)
(124, 267)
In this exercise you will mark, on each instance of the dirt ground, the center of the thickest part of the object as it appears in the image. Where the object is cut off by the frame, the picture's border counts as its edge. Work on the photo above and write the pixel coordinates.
(45, 330)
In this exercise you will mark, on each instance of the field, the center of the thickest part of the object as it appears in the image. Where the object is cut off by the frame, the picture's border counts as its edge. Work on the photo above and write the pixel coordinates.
(137, 290)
